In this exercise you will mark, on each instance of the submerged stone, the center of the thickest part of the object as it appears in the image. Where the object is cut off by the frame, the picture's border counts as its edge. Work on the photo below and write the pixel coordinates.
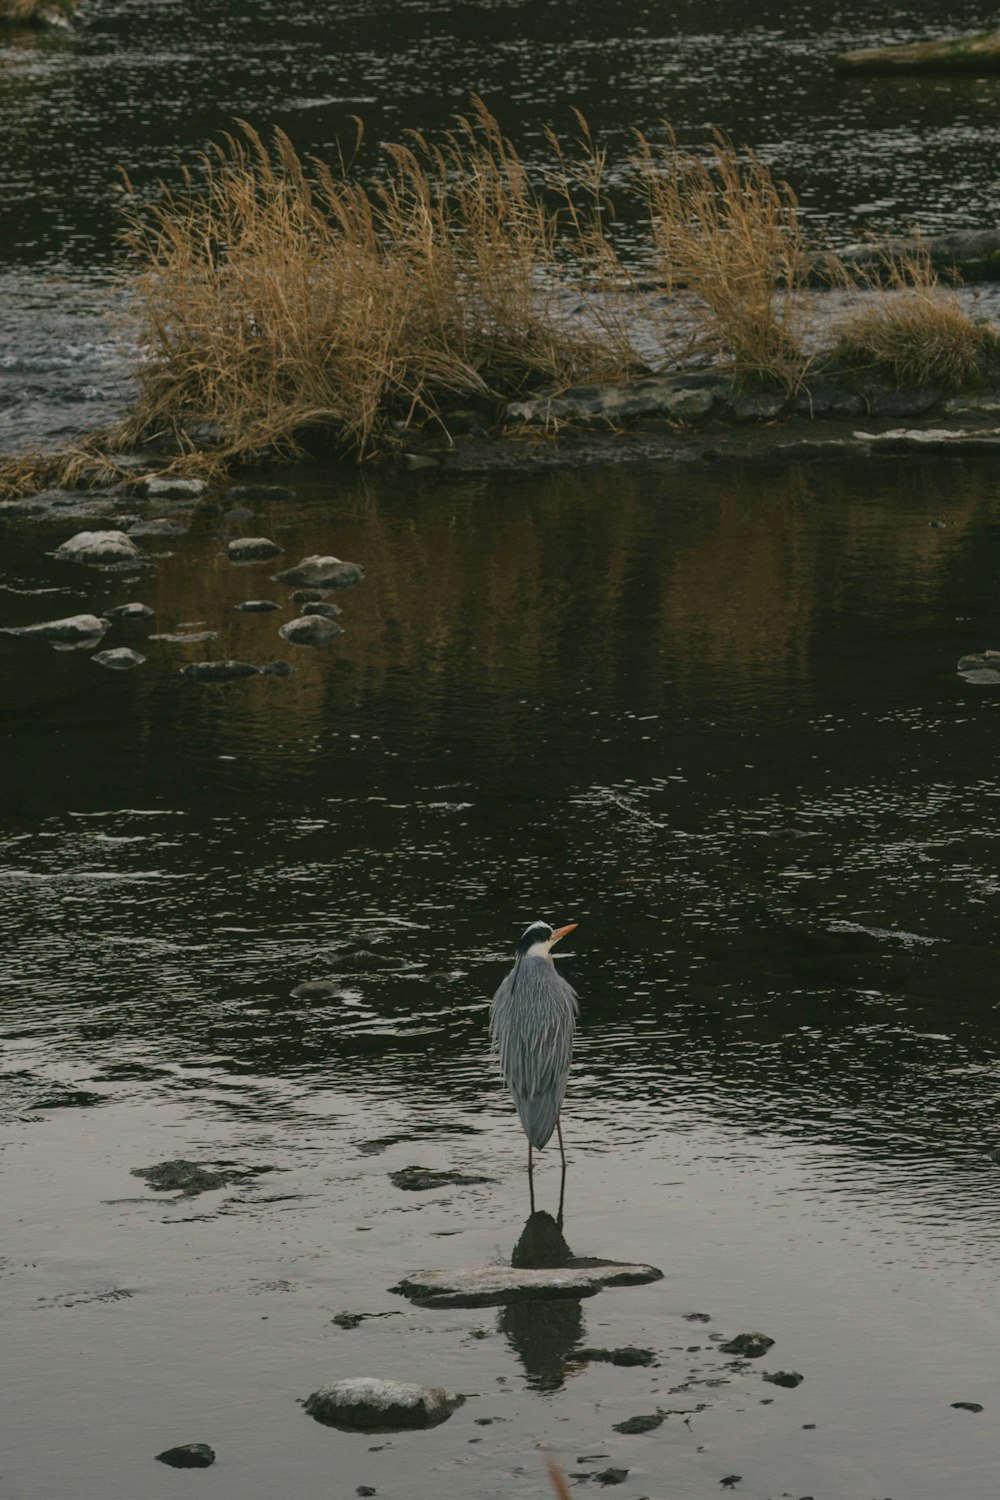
(647, 1422)
(310, 630)
(315, 607)
(627, 1355)
(322, 572)
(130, 612)
(252, 549)
(260, 492)
(160, 526)
(277, 669)
(787, 1378)
(120, 659)
(185, 638)
(219, 671)
(368, 1404)
(95, 547)
(490, 1286)
(191, 1178)
(424, 1179)
(188, 1456)
(257, 606)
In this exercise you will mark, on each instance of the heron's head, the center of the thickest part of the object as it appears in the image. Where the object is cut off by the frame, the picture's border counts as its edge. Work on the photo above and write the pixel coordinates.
(538, 939)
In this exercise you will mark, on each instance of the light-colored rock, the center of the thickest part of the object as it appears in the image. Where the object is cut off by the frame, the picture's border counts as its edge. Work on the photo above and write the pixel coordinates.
(322, 572)
(71, 631)
(251, 549)
(488, 1286)
(368, 1404)
(310, 630)
(173, 489)
(97, 547)
(132, 611)
(119, 659)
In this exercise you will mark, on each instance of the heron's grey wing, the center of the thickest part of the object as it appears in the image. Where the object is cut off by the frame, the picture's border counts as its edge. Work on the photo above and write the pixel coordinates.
(532, 1023)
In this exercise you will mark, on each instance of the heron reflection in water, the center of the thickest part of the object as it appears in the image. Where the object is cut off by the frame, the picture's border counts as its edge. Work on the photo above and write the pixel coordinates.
(533, 1019)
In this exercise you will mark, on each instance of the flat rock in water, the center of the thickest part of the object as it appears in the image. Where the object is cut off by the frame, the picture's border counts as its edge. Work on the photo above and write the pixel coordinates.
(258, 606)
(982, 666)
(322, 572)
(310, 630)
(220, 671)
(627, 1355)
(160, 526)
(646, 1422)
(130, 612)
(98, 547)
(787, 1378)
(173, 489)
(191, 1178)
(251, 549)
(120, 659)
(277, 669)
(367, 1404)
(316, 607)
(188, 1456)
(424, 1179)
(260, 492)
(318, 989)
(490, 1286)
(185, 638)
(71, 631)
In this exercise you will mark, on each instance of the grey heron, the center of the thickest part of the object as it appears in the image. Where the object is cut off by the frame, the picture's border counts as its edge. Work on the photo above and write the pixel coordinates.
(533, 1018)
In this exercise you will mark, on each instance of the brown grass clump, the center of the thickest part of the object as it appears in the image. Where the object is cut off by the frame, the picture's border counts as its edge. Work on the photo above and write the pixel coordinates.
(729, 233)
(913, 331)
(275, 298)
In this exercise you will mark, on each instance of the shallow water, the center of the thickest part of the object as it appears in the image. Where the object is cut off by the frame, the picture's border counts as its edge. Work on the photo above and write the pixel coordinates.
(714, 718)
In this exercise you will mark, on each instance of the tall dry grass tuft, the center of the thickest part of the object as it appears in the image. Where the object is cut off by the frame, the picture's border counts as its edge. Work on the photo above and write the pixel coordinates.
(911, 330)
(729, 232)
(275, 297)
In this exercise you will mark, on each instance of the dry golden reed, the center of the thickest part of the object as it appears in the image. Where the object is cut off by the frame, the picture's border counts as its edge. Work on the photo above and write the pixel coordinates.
(909, 329)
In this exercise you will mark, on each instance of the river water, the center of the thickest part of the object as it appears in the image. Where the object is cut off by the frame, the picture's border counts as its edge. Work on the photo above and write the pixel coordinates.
(711, 715)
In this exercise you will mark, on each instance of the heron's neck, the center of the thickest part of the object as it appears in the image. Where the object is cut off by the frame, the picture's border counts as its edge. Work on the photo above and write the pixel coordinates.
(538, 950)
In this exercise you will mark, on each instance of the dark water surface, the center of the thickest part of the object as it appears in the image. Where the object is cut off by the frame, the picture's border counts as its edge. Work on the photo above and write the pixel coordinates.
(712, 717)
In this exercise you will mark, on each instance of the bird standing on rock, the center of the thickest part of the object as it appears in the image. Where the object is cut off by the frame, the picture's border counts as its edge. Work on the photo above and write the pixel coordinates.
(533, 1018)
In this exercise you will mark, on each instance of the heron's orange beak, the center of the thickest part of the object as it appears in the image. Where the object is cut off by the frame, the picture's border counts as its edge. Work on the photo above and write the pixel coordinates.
(561, 932)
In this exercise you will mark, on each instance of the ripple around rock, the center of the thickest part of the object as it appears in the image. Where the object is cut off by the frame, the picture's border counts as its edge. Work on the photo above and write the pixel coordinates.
(489, 1286)
(322, 572)
(95, 547)
(368, 1404)
(120, 659)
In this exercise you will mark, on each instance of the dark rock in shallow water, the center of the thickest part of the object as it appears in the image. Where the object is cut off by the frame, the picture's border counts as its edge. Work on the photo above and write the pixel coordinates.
(277, 669)
(96, 547)
(310, 630)
(627, 1355)
(367, 1404)
(120, 659)
(73, 631)
(306, 596)
(318, 989)
(252, 549)
(322, 572)
(906, 401)
(129, 612)
(828, 398)
(612, 1476)
(749, 1345)
(788, 1378)
(648, 1422)
(190, 1178)
(219, 671)
(967, 1406)
(63, 1096)
(188, 1456)
(424, 1179)
(364, 961)
(258, 606)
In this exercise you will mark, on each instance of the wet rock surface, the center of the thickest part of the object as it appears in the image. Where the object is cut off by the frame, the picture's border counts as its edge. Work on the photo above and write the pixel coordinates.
(627, 1355)
(424, 1179)
(258, 606)
(73, 630)
(368, 1404)
(220, 671)
(644, 1422)
(748, 1345)
(789, 1379)
(189, 1178)
(493, 1285)
(166, 488)
(133, 611)
(322, 572)
(981, 666)
(119, 659)
(158, 526)
(260, 492)
(188, 1456)
(97, 547)
(310, 630)
(252, 549)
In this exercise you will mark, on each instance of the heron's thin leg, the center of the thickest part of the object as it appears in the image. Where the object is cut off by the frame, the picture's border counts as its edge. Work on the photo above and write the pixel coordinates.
(531, 1179)
(562, 1194)
(562, 1154)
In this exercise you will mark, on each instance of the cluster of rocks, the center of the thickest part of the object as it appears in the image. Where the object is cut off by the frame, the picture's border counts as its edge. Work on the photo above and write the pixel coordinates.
(115, 550)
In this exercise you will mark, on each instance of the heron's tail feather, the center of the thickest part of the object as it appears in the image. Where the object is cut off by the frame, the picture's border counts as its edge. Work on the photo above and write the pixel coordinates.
(539, 1113)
